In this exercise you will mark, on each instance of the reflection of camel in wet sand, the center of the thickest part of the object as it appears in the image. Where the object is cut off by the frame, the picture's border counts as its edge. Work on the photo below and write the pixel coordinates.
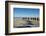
(29, 22)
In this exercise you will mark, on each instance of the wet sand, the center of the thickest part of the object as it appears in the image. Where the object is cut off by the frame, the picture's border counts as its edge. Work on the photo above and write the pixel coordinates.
(20, 23)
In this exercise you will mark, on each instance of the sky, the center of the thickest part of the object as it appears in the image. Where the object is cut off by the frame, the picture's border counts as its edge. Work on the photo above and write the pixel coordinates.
(26, 12)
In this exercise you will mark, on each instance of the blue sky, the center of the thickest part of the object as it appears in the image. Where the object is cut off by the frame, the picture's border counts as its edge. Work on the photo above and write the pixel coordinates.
(26, 12)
